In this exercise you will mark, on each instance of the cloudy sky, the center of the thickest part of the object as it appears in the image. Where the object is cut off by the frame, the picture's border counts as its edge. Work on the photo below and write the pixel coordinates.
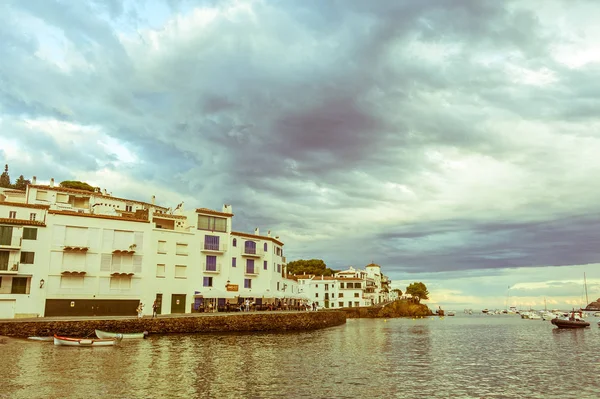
(452, 142)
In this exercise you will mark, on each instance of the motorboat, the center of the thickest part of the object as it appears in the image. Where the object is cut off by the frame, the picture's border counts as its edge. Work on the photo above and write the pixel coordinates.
(67, 341)
(451, 313)
(574, 321)
(111, 335)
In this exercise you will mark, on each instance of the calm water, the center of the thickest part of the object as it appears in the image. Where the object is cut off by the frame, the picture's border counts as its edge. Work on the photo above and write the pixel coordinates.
(459, 357)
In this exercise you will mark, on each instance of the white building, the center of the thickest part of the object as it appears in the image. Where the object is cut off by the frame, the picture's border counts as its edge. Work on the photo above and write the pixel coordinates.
(74, 252)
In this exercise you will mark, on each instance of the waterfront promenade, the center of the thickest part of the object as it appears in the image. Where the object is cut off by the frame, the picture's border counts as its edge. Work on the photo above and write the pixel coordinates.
(174, 323)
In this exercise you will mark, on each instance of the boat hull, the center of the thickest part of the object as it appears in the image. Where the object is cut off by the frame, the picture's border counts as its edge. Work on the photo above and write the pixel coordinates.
(41, 338)
(66, 341)
(110, 335)
(570, 323)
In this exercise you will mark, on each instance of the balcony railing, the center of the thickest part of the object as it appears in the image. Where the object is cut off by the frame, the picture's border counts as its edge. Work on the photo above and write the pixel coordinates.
(253, 252)
(80, 268)
(13, 243)
(211, 267)
(9, 268)
(208, 247)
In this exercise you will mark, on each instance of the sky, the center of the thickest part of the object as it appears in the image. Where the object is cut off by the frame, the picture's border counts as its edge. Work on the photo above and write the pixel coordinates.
(451, 142)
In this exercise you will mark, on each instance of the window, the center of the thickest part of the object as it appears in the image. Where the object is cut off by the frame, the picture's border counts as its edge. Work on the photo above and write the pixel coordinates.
(247, 283)
(316, 295)
(62, 198)
(6, 235)
(233, 262)
(326, 287)
(278, 268)
(27, 257)
(180, 271)
(181, 249)
(265, 247)
(212, 223)
(265, 265)
(19, 285)
(128, 208)
(211, 243)
(120, 282)
(12, 215)
(162, 247)
(211, 263)
(32, 216)
(341, 285)
(41, 195)
(235, 242)
(278, 286)
(341, 295)
(160, 270)
(207, 282)
(250, 266)
(341, 304)
(250, 247)
(29, 233)
(356, 295)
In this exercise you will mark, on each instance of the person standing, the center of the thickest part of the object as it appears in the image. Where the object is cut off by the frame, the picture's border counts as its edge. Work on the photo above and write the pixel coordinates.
(247, 303)
(140, 310)
(154, 309)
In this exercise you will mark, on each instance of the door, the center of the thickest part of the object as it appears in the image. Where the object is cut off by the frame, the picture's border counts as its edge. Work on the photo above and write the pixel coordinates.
(4, 260)
(158, 304)
(6, 235)
(178, 303)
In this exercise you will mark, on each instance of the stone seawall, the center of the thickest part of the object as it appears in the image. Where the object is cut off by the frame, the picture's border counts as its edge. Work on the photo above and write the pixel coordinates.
(213, 323)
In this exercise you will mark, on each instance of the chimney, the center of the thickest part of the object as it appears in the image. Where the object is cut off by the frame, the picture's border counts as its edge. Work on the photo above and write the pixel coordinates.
(153, 199)
(104, 192)
(256, 231)
(269, 233)
(52, 182)
(34, 180)
(227, 208)
(277, 237)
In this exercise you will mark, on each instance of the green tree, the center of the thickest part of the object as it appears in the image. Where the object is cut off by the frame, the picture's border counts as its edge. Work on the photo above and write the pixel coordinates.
(21, 183)
(418, 291)
(5, 178)
(398, 291)
(312, 266)
(79, 185)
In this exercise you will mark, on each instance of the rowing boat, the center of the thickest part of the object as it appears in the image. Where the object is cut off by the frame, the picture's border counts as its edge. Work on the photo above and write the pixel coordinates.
(41, 338)
(66, 341)
(109, 335)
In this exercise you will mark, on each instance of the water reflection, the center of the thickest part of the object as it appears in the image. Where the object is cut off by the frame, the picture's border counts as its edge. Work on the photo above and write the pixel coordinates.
(466, 357)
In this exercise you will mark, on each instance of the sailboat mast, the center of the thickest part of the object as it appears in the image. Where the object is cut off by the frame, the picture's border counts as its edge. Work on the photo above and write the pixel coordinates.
(587, 302)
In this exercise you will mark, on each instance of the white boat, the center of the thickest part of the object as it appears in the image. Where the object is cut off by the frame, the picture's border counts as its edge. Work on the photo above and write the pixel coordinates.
(597, 314)
(109, 335)
(451, 313)
(66, 341)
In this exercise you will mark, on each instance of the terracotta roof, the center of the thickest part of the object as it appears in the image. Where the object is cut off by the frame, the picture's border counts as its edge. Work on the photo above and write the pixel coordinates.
(373, 264)
(22, 205)
(90, 215)
(207, 211)
(94, 193)
(323, 278)
(237, 233)
(22, 222)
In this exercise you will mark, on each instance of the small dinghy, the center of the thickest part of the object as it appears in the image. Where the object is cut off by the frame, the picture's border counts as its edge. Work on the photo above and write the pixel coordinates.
(108, 335)
(66, 341)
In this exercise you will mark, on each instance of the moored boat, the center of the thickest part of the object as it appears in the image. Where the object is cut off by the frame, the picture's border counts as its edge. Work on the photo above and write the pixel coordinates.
(41, 338)
(574, 321)
(109, 335)
(451, 313)
(67, 341)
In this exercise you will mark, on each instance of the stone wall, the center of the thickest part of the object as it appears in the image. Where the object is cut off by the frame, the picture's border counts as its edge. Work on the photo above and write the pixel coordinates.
(237, 322)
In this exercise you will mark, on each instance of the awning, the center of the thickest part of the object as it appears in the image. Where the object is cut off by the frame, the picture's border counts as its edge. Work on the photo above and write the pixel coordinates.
(214, 293)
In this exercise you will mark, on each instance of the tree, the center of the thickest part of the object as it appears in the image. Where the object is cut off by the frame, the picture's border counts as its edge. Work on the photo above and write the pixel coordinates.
(398, 291)
(313, 266)
(79, 185)
(418, 291)
(5, 178)
(21, 183)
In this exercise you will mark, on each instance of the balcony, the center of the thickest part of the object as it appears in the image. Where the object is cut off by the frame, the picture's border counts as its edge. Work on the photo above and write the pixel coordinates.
(124, 249)
(75, 248)
(9, 269)
(211, 268)
(253, 252)
(73, 269)
(209, 247)
(251, 271)
(13, 244)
